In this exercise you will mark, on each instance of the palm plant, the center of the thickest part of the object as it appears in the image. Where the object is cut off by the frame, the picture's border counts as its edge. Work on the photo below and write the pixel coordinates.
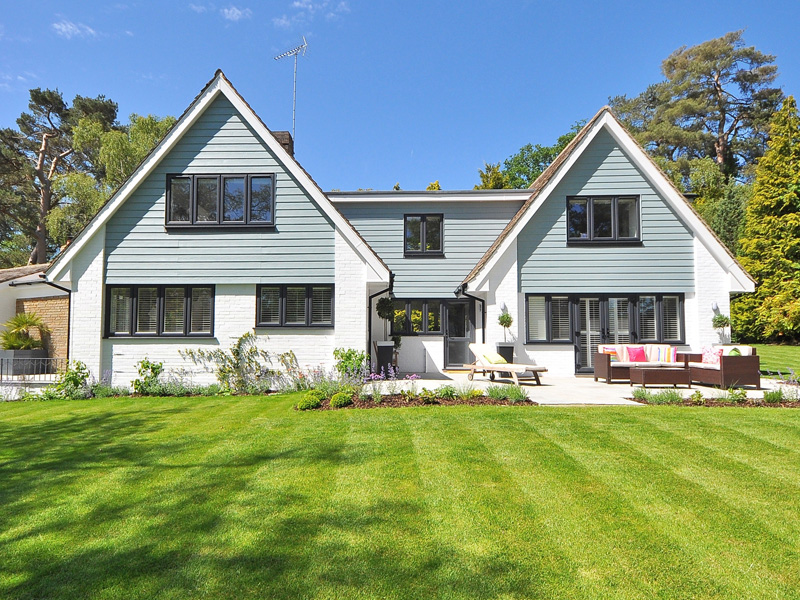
(17, 335)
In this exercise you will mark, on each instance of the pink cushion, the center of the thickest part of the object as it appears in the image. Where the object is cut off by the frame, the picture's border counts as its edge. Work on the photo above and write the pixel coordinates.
(636, 354)
(711, 355)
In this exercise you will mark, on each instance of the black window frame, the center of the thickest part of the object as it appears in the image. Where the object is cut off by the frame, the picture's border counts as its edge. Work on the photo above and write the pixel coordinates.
(282, 306)
(159, 333)
(423, 234)
(407, 329)
(219, 223)
(614, 240)
(634, 321)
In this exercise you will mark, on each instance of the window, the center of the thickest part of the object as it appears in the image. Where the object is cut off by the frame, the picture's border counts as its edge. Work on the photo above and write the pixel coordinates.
(603, 219)
(417, 316)
(160, 310)
(548, 319)
(220, 200)
(647, 318)
(294, 306)
(423, 235)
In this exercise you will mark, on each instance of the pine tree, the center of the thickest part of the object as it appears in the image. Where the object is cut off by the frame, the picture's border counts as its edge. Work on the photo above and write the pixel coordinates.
(770, 247)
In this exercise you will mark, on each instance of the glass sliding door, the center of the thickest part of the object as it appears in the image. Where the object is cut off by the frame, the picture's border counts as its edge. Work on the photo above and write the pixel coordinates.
(589, 334)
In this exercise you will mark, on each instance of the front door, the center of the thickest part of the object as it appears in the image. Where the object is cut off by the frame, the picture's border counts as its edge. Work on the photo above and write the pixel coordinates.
(600, 321)
(458, 334)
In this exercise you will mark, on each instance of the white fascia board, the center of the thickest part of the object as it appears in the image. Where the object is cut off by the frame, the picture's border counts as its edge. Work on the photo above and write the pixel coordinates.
(480, 279)
(740, 281)
(217, 86)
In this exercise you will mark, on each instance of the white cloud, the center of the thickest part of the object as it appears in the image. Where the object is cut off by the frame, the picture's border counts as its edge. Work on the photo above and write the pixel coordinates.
(198, 8)
(69, 30)
(233, 13)
(303, 12)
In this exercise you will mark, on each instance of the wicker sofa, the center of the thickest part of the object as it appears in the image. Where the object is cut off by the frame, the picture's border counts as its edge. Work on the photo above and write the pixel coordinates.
(614, 362)
(730, 371)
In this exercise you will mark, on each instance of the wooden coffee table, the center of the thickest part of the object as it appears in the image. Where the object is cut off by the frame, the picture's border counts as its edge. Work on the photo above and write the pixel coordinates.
(661, 375)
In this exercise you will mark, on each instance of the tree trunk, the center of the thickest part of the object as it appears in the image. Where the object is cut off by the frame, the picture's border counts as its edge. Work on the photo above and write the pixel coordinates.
(39, 254)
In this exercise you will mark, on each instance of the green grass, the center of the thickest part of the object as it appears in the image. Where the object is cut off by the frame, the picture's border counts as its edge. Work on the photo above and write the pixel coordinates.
(781, 358)
(246, 498)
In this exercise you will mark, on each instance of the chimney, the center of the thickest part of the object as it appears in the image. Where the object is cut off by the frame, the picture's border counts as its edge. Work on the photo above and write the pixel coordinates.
(285, 139)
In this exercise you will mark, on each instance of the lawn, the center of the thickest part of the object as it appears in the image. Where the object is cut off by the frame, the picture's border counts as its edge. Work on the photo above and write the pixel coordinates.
(245, 498)
(775, 357)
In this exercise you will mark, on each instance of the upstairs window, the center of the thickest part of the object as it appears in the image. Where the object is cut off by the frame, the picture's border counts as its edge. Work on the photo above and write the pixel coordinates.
(602, 219)
(423, 235)
(220, 201)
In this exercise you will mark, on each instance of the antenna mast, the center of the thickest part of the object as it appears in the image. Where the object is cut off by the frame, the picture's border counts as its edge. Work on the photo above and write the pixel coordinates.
(294, 52)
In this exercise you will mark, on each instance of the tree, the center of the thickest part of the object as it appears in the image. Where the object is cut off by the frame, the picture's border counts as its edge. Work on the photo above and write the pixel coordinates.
(770, 246)
(522, 169)
(32, 157)
(716, 101)
(433, 186)
(492, 178)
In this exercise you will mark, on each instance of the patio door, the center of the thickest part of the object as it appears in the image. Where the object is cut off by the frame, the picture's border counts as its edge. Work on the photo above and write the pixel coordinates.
(601, 320)
(458, 333)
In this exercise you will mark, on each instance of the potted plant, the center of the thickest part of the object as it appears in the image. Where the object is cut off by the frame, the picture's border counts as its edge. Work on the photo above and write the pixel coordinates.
(505, 348)
(720, 323)
(25, 351)
(385, 310)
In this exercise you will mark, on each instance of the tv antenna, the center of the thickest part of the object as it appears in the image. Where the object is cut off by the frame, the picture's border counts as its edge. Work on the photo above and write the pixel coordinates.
(294, 52)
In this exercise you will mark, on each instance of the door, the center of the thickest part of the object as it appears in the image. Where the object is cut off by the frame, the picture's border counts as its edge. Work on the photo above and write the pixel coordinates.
(588, 335)
(600, 321)
(459, 332)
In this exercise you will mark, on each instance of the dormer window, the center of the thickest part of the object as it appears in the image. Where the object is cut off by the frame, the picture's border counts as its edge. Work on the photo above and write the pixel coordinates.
(423, 235)
(220, 201)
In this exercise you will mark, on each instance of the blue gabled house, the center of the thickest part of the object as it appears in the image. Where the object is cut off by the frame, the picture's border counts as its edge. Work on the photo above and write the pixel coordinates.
(220, 231)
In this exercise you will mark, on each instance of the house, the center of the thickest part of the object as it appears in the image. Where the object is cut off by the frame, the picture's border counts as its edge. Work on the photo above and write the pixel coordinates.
(220, 231)
(24, 289)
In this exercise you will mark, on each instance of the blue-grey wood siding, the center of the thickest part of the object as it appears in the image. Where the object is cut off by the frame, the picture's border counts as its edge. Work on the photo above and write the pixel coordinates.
(664, 262)
(469, 230)
(300, 249)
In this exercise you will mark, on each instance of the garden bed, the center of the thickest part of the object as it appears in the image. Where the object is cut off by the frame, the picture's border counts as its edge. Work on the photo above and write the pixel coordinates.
(400, 401)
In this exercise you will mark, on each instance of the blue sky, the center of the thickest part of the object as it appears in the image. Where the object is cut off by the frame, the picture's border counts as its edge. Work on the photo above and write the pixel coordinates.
(388, 92)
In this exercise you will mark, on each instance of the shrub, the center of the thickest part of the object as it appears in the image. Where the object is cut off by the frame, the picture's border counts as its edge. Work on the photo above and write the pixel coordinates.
(341, 400)
(735, 396)
(238, 368)
(72, 384)
(311, 399)
(447, 392)
(497, 392)
(642, 395)
(428, 396)
(697, 398)
(773, 396)
(149, 372)
(666, 397)
(516, 394)
(467, 391)
(351, 364)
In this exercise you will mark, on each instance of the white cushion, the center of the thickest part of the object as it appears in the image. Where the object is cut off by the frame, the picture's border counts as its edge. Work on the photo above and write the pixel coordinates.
(745, 350)
(702, 365)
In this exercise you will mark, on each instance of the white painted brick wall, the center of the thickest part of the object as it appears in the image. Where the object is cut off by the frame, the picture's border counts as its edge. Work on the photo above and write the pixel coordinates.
(234, 315)
(712, 284)
(86, 308)
(351, 296)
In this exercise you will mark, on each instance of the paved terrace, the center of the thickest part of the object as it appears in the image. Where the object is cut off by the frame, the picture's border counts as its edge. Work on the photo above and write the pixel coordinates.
(570, 390)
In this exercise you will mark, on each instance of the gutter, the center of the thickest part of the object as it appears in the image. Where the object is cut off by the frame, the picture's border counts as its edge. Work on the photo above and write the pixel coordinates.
(462, 291)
